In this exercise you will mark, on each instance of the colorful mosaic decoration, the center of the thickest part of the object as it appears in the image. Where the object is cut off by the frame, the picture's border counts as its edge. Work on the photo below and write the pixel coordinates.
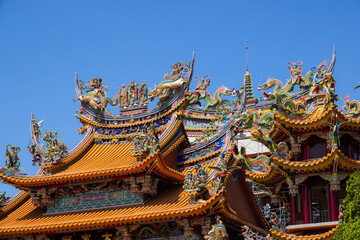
(102, 199)
(203, 152)
(146, 141)
(260, 164)
(351, 108)
(132, 129)
(195, 182)
(199, 124)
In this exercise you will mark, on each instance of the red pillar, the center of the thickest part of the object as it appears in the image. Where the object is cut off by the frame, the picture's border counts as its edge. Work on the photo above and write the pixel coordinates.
(292, 210)
(333, 205)
(306, 206)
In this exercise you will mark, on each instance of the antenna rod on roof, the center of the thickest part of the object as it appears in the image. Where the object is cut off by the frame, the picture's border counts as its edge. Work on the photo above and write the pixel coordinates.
(247, 69)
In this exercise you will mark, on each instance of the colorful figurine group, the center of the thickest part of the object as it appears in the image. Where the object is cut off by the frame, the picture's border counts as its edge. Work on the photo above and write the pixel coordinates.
(54, 148)
(195, 182)
(145, 142)
(133, 96)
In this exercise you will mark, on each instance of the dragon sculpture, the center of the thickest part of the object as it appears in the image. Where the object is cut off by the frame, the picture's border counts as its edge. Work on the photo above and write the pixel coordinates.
(289, 106)
(173, 81)
(351, 107)
(280, 150)
(284, 91)
(281, 96)
(254, 117)
(201, 92)
(327, 85)
(260, 164)
(95, 95)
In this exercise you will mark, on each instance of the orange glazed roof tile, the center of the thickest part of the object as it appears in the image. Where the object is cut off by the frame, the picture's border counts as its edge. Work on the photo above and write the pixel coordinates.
(172, 203)
(101, 160)
(314, 119)
(320, 163)
(102, 156)
(283, 236)
(274, 175)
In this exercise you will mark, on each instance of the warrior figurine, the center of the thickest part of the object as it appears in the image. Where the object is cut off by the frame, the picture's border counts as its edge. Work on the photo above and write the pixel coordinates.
(35, 153)
(143, 94)
(124, 96)
(295, 69)
(203, 83)
(12, 160)
(133, 92)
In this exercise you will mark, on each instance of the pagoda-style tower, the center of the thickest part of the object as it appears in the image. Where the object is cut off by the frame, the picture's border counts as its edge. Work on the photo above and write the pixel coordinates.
(248, 86)
(249, 95)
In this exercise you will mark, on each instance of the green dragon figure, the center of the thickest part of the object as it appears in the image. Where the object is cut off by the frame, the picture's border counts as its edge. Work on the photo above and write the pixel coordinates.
(254, 117)
(351, 107)
(201, 92)
(280, 150)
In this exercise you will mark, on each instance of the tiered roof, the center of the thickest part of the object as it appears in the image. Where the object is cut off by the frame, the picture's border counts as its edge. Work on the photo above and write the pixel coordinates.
(108, 154)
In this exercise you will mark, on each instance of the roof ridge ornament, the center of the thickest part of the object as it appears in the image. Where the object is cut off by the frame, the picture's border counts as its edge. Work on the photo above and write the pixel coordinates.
(132, 98)
(48, 152)
(95, 95)
(12, 159)
(173, 81)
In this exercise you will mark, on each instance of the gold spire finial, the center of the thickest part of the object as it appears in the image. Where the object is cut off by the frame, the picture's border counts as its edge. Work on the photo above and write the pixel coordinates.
(247, 69)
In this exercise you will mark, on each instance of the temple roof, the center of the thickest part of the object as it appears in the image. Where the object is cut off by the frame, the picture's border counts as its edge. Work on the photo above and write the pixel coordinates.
(272, 176)
(319, 164)
(171, 203)
(317, 118)
(284, 236)
(116, 160)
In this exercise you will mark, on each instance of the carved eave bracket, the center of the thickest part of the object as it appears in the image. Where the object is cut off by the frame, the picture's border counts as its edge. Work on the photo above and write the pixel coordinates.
(144, 184)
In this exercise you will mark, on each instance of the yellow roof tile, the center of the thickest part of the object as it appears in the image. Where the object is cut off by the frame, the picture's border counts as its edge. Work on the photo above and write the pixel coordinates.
(173, 202)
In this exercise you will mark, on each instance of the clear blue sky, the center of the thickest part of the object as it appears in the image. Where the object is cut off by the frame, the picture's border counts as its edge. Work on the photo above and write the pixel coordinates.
(43, 44)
